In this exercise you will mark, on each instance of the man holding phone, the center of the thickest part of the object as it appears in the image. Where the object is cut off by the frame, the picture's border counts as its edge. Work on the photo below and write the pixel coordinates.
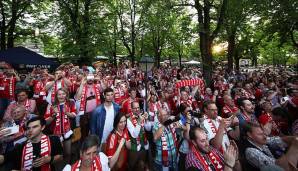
(219, 128)
(39, 152)
(136, 125)
(60, 82)
(89, 96)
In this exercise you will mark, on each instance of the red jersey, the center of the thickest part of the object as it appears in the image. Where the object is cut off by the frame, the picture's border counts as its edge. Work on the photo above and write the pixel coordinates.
(113, 142)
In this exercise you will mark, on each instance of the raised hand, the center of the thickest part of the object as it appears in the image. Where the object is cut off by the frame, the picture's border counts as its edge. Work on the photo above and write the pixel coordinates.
(230, 155)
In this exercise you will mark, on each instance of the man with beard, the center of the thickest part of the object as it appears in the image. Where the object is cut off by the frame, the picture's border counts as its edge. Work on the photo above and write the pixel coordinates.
(247, 110)
(204, 157)
(102, 117)
(60, 82)
(90, 158)
(89, 96)
(38, 153)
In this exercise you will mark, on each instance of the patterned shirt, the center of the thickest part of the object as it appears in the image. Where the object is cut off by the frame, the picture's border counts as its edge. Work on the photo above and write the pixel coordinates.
(192, 161)
(172, 152)
(262, 156)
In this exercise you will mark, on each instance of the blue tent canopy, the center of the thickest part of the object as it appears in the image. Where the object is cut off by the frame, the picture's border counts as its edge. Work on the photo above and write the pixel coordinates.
(23, 58)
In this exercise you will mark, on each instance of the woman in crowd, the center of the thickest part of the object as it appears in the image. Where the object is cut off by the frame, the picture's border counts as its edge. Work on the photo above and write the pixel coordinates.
(117, 144)
(58, 117)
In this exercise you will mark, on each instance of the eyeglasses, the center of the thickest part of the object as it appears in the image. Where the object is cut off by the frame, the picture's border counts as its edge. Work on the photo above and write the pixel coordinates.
(136, 108)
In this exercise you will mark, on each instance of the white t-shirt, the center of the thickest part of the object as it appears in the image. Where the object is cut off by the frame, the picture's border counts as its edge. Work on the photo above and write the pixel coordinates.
(207, 123)
(108, 127)
(104, 160)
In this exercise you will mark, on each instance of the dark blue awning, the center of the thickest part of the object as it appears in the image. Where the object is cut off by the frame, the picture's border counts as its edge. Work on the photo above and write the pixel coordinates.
(23, 58)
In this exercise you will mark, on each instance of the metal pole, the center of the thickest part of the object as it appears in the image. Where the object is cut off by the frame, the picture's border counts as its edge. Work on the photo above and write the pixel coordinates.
(146, 103)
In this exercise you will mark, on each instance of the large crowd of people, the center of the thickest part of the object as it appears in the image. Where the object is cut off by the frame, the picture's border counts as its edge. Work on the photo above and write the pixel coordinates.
(103, 119)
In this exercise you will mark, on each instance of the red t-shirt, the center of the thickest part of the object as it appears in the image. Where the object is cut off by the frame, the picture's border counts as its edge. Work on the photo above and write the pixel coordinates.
(113, 142)
(5, 87)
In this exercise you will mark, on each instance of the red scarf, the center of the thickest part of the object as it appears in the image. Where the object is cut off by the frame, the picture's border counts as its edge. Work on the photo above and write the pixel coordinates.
(54, 90)
(246, 118)
(191, 82)
(61, 118)
(96, 165)
(227, 109)
(135, 122)
(164, 144)
(27, 157)
(213, 157)
(11, 87)
(214, 130)
(84, 97)
(27, 105)
(119, 94)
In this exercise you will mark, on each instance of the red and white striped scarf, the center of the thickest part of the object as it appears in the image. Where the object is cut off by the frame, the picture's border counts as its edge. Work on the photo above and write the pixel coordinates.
(164, 144)
(213, 157)
(246, 118)
(154, 107)
(61, 118)
(214, 130)
(96, 165)
(192, 82)
(84, 97)
(27, 105)
(54, 90)
(228, 109)
(27, 155)
(11, 87)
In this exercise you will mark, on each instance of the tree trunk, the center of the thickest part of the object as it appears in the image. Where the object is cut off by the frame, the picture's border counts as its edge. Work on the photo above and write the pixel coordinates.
(180, 57)
(85, 33)
(157, 57)
(11, 29)
(231, 50)
(254, 60)
(3, 28)
(3, 36)
(205, 47)
(237, 58)
(115, 48)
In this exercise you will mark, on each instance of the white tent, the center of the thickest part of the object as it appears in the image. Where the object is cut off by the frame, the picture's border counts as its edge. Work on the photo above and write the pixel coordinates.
(192, 62)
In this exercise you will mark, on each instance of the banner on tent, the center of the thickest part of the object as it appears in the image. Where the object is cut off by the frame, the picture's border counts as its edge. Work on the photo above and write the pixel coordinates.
(34, 66)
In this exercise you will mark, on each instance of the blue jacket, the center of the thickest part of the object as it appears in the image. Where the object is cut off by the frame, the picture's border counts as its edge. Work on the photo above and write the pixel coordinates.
(98, 118)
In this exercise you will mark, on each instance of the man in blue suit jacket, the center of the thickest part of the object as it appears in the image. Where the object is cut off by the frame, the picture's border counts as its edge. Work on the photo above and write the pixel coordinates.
(102, 118)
